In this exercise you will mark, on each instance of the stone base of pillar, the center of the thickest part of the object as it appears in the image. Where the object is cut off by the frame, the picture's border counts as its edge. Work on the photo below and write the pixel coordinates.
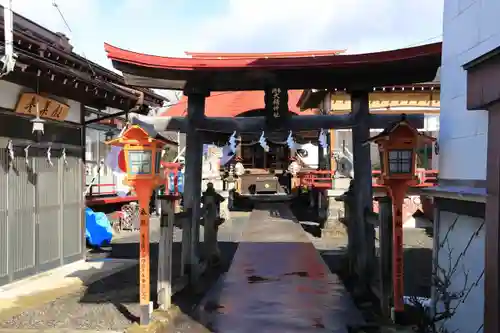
(333, 226)
(342, 183)
(224, 207)
(230, 184)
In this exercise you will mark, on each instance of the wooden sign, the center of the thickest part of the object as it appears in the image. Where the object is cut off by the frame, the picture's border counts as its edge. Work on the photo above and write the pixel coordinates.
(144, 277)
(47, 108)
(397, 256)
(276, 104)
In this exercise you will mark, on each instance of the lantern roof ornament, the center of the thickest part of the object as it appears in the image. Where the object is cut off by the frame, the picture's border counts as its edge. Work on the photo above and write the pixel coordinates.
(135, 134)
(405, 128)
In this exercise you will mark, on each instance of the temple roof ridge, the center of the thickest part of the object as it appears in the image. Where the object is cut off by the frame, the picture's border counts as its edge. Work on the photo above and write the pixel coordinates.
(259, 55)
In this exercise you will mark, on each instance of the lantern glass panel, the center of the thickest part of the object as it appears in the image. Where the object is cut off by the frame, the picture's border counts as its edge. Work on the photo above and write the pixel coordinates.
(158, 162)
(140, 162)
(400, 161)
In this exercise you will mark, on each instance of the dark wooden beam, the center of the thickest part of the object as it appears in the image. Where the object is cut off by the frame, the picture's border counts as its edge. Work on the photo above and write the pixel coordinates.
(109, 116)
(492, 246)
(363, 199)
(40, 80)
(192, 189)
(259, 124)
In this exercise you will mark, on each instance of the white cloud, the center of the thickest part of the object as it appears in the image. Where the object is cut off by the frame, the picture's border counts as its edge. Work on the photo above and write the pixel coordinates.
(287, 25)
(152, 26)
(155, 27)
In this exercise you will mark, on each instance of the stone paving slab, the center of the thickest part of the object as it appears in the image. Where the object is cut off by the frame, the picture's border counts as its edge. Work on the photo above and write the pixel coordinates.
(278, 282)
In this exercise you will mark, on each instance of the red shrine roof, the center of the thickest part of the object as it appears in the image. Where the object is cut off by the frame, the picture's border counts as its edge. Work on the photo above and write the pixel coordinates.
(232, 72)
(235, 103)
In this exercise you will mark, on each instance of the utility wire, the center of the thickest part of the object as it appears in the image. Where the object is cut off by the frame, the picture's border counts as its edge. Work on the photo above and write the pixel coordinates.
(56, 6)
(424, 41)
(61, 14)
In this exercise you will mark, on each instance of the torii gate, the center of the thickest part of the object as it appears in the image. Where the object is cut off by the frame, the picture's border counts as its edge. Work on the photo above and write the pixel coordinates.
(276, 74)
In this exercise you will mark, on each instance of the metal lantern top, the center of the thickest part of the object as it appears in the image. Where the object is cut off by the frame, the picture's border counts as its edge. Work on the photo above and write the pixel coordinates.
(142, 154)
(397, 146)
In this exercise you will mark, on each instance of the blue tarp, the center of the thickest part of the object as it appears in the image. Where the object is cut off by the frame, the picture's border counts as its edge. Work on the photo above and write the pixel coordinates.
(98, 230)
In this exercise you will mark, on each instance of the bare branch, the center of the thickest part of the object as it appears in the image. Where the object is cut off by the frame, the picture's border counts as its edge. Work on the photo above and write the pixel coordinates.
(450, 300)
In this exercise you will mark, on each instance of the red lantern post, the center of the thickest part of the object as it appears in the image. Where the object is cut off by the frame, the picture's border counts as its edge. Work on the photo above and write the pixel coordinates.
(397, 146)
(142, 157)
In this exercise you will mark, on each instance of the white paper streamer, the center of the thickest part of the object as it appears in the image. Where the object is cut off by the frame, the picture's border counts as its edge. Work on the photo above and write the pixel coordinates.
(263, 143)
(290, 141)
(227, 155)
(232, 142)
(322, 139)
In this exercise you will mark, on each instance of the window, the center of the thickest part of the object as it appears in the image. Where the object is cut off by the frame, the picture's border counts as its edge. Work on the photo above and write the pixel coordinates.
(247, 156)
(158, 162)
(140, 162)
(400, 161)
(91, 158)
(102, 153)
(91, 145)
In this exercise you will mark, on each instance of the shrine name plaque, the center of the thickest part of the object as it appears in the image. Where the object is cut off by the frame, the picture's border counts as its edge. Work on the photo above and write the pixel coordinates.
(47, 108)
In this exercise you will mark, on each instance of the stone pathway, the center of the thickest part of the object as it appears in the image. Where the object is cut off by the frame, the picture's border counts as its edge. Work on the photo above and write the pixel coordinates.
(278, 283)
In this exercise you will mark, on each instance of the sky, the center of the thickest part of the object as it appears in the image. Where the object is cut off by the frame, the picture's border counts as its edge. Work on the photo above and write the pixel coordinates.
(170, 27)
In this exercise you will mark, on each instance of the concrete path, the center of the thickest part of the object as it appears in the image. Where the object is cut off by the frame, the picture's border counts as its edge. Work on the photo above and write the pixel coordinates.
(108, 304)
(278, 283)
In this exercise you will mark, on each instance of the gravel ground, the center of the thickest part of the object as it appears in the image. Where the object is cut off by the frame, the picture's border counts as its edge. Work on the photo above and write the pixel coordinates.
(417, 252)
(417, 258)
(111, 303)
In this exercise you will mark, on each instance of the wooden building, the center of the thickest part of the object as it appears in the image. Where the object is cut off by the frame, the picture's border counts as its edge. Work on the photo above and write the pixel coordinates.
(42, 174)
(415, 99)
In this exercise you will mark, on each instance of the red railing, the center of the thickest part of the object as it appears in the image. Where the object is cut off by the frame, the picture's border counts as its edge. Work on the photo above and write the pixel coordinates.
(107, 196)
(322, 179)
(97, 189)
(426, 178)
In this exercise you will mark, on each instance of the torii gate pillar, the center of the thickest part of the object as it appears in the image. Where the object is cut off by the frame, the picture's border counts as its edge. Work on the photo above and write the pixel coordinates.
(363, 231)
(192, 191)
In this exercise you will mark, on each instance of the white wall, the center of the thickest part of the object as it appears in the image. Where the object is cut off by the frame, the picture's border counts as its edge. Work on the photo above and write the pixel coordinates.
(9, 94)
(463, 234)
(470, 29)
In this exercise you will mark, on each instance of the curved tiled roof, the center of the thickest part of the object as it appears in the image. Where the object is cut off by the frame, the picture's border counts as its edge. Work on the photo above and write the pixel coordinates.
(298, 62)
(234, 103)
(295, 54)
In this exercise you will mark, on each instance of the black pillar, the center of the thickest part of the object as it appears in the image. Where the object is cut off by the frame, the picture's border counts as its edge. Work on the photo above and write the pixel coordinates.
(192, 191)
(320, 157)
(385, 263)
(363, 202)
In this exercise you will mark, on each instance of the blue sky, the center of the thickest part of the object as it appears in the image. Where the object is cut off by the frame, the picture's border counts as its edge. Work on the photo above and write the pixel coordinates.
(170, 27)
